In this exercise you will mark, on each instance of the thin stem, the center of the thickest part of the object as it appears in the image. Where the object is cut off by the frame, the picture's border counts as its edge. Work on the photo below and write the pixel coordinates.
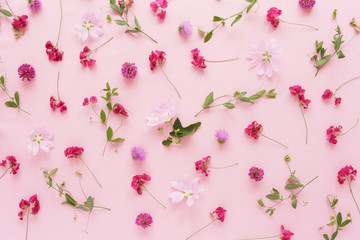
(154, 197)
(4, 173)
(287, 164)
(148, 36)
(105, 147)
(337, 89)
(10, 8)
(220, 104)
(357, 121)
(105, 208)
(223, 97)
(92, 106)
(102, 44)
(82, 190)
(87, 223)
(281, 200)
(225, 166)
(27, 224)
(272, 139)
(90, 171)
(61, 16)
(223, 21)
(170, 81)
(306, 185)
(261, 237)
(226, 60)
(352, 194)
(57, 86)
(23, 110)
(12, 99)
(201, 229)
(298, 24)
(306, 127)
(119, 126)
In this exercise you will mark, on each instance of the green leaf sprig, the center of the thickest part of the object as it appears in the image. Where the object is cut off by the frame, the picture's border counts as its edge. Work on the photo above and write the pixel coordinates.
(123, 10)
(87, 206)
(236, 17)
(292, 183)
(14, 100)
(232, 99)
(336, 220)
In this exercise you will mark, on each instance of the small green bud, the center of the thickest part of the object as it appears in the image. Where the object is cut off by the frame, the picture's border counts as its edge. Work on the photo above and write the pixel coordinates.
(287, 158)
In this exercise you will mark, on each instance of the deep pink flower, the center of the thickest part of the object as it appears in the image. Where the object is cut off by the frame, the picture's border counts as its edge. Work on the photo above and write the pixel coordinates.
(159, 4)
(296, 90)
(272, 16)
(307, 3)
(256, 173)
(154, 6)
(119, 109)
(34, 5)
(26, 71)
(254, 129)
(327, 94)
(86, 102)
(74, 152)
(286, 234)
(93, 99)
(203, 165)
(347, 173)
(198, 61)
(219, 213)
(337, 101)
(139, 181)
(138, 153)
(20, 22)
(129, 70)
(157, 57)
(144, 220)
(162, 3)
(13, 164)
(24, 204)
(85, 59)
(33, 204)
(53, 53)
(55, 104)
(332, 133)
(161, 15)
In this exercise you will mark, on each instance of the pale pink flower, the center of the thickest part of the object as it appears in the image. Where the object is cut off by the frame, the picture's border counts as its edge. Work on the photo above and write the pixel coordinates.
(186, 189)
(265, 56)
(39, 138)
(164, 113)
(90, 25)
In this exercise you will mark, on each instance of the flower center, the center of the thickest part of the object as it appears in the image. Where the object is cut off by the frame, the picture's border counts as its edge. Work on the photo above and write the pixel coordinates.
(88, 25)
(187, 193)
(266, 56)
(38, 138)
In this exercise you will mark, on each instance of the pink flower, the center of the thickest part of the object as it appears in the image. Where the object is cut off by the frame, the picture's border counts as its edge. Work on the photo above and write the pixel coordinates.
(119, 109)
(26, 71)
(90, 25)
(222, 136)
(198, 61)
(138, 153)
(256, 173)
(203, 165)
(296, 90)
(139, 181)
(219, 213)
(20, 22)
(13, 165)
(162, 4)
(347, 173)
(144, 220)
(332, 133)
(74, 152)
(161, 15)
(307, 3)
(34, 5)
(265, 56)
(164, 113)
(39, 138)
(129, 70)
(157, 57)
(85, 59)
(185, 189)
(154, 6)
(33, 204)
(254, 129)
(327, 94)
(286, 234)
(54, 104)
(185, 28)
(337, 101)
(93, 100)
(53, 53)
(86, 102)
(272, 16)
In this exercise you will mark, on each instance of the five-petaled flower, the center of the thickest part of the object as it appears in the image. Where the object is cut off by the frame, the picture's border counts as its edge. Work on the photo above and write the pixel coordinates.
(164, 113)
(39, 138)
(90, 25)
(186, 189)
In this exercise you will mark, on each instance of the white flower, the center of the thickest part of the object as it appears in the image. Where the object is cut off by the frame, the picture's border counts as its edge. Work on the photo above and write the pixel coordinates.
(91, 25)
(165, 112)
(186, 189)
(39, 138)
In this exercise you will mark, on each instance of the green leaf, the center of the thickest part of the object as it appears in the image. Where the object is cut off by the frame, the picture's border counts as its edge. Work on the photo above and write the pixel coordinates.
(17, 99)
(319, 46)
(271, 95)
(208, 36)
(260, 202)
(339, 219)
(109, 106)
(326, 237)
(245, 99)
(2, 80)
(229, 105)
(52, 172)
(255, 96)
(183, 132)
(294, 203)
(167, 142)
(337, 42)
(103, 116)
(109, 133)
(217, 19)
(11, 104)
(322, 52)
(272, 197)
(340, 54)
(238, 17)
(117, 140)
(250, 6)
(292, 177)
(120, 22)
(292, 186)
(107, 86)
(82, 208)
(69, 200)
(322, 61)
(276, 192)
(115, 7)
(131, 31)
(334, 202)
(90, 203)
(333, 236)
(137, 23)
(249, 1)
(346, 222)
(50, 182)
(201, 31)
(208, 100)
(239, 95)
(108, 96)
(5, 12)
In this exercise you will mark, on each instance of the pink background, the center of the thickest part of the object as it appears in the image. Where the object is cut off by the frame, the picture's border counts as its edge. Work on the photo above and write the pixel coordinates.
(230, 188)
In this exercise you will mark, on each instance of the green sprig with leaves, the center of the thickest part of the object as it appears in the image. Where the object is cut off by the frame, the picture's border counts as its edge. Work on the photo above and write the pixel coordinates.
(336, 220)
(292, 183)
(232, 99)
(221, 21)
(123, 11)
(14, 100)
(87, 206)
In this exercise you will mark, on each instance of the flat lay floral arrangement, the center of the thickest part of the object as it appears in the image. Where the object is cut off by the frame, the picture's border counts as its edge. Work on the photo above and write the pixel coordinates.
(179, 119)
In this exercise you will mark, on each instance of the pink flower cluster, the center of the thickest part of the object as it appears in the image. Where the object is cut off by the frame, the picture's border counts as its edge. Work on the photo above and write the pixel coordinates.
(272, 16)
(129, 70)
(296, 90)
(219, 213)
(26, 71)
(54, 104)
(157, 57)
(33, 204)
(198, 61)
(119, 109)
(20, 22)
(256, 173)
(307, 3)
(347, 173)
(254, 129)
(13, 164)
(203, 165)
(159, 4)
(53, 53)
(329, 94)
(286, 234)
(85, 59)
(332, 133)
(93, 100)
(34, 5)
(139, 181)
(74, 152)
(144, 220)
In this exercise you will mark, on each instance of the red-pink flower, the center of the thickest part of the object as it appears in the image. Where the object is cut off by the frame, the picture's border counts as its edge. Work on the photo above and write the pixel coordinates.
(139, 181)
(337, 101)
(347, 173)
(33, 204)
(286, 234)
(20, 22)
(85, 59)
(159, 4)
(10, 162)
(327, 94)
(272, 16)
(53, 53)
(219, 214)
(93, 100)
(55, 104)
(297, 91)
(119, 109)
(203, 165)
(254, 129)
(74, 152)
(198, 61)
(332, 133)
(157, 57)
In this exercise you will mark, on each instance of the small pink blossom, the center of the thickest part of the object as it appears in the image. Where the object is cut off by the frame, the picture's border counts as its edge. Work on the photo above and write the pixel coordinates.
(138, 182)
(53, 52)
(185, 28)
(93, 100)
(159, 4)
(198, 61)
(256, 173)
(164, 113)
(337, 101)
(254, 129)
(20, 22)
(286, 234)
(138, 153)
(347, 173)
(119, 109)
(156, 58)
(73, 152)
(39, 138)
(10, 162)
(222, 136)
(26, 71)
(33, 203)
(55, 104)
(219, 213)
(272, 16)
(297, 91)
(332, 133)
(85, 59)
(129, 70)
(90, 26)
(34, 5)
(144, 220)
(185, 189)
(307, 3)
(203, 165)
(161, 15)
(327, 94)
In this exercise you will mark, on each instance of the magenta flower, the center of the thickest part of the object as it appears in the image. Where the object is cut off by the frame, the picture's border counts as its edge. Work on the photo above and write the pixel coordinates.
(53, 52)
(256, 173)
(20, 22)
(138, 153)
(138, 184)
(332, 133)
(34, 5)
(198, 61)
(10, 163)
(337, 101)
(144, 220)
(254, 130)
(90, 26)
(32, 206)
(307, 3)
(129, 70)
(159, 5)
(327, 94)
(203, 165)
(219, 214)
(285, 234)
(222, 136)
(272, 16)
(348, 173)
(85, 59)
(185, 29)
(55, 104)
(119, 109)
(93, 100)
(26, 71)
